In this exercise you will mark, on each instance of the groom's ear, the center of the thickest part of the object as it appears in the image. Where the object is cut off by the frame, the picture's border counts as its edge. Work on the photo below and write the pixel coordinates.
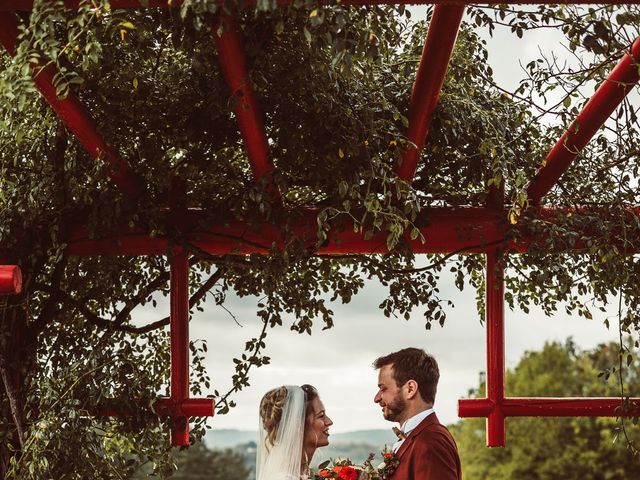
(411, 389)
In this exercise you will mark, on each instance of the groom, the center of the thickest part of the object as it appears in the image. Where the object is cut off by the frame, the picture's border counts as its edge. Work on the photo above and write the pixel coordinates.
(407, 382)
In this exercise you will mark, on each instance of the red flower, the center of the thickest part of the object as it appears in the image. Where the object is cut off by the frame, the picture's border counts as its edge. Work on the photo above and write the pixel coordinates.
(348, 473)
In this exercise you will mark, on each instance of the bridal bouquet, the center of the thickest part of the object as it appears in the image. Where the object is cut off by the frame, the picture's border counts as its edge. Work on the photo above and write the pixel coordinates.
(341, 469)
(345, 469)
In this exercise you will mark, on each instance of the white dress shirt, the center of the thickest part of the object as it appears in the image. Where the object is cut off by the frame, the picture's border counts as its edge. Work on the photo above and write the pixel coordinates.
(410, 424)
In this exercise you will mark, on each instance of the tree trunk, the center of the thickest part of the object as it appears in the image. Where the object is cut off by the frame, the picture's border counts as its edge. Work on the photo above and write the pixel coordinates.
(13, 365)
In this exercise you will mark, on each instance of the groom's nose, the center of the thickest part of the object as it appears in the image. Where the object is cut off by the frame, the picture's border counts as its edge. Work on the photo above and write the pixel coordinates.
(377, 398)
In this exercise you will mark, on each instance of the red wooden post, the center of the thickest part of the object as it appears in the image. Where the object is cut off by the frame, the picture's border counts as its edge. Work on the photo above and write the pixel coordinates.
(496, 431)
(496, 407)
(438, 46)
(10, 280)
(179, 284)
(179, 406)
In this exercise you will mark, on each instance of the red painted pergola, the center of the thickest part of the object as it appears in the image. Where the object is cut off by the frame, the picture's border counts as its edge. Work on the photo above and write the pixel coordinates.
(485, 226)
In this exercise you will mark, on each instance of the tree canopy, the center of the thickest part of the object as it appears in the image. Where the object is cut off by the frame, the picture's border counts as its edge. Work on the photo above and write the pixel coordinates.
(333, 83)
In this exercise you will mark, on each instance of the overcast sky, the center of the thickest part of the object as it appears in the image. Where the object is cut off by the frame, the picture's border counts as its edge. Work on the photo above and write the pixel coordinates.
(338, 361)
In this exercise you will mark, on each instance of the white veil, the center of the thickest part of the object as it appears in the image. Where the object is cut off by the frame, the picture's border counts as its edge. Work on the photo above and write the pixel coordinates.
(283, 459)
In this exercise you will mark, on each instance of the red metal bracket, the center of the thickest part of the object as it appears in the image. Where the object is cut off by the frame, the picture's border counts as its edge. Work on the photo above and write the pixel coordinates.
(597, 110)
(73, 114)
(436, 53)
(10, 280)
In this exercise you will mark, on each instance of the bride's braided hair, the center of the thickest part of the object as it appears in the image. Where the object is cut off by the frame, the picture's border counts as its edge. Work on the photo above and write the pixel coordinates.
(272, 405)
(271, 408)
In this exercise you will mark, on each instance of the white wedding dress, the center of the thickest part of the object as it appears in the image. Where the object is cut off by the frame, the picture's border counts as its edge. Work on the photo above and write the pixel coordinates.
(283, 460)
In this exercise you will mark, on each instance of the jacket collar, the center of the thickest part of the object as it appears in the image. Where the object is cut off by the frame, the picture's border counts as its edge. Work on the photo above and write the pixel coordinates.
(430, 420)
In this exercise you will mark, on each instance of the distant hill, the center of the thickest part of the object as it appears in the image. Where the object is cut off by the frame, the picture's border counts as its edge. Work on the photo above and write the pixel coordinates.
(230, 438)
(353, 445)
(370, 437)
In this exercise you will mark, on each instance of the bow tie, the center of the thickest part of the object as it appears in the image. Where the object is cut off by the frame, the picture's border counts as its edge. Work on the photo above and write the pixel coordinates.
(399, 433)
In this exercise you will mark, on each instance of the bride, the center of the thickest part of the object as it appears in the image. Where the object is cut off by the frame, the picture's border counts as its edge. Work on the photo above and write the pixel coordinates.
(293, 423)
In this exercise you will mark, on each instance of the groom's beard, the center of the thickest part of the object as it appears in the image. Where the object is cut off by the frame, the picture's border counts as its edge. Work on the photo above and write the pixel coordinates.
(394, 409)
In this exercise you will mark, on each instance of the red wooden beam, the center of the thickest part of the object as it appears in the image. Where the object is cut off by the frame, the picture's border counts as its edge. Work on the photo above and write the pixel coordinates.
(446, 230)
(10, 280)
(73, 114)
(549, 407)
(228, 38)
(471, 229)
(138, 4)
(191, 407)
(597, 110)
(438, 46)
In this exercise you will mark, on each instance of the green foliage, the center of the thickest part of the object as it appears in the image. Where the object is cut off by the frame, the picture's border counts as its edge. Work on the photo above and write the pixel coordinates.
(549, 448)
(333, 83)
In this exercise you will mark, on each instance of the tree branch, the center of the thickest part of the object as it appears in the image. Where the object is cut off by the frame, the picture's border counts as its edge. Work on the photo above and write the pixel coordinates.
(117, 324)
(143, 293)
(431, 266)
(14, 401)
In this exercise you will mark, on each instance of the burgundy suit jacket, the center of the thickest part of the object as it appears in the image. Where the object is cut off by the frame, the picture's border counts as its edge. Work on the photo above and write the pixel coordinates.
(428, 453)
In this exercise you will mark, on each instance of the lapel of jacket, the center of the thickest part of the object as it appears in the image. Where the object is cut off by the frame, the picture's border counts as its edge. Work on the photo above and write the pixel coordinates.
(430, 420)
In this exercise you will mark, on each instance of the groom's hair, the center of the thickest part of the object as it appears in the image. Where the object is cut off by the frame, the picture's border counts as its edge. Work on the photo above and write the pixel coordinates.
(413, 364)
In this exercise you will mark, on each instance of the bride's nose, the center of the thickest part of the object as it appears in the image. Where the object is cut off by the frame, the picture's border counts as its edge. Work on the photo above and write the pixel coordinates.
(328, 422)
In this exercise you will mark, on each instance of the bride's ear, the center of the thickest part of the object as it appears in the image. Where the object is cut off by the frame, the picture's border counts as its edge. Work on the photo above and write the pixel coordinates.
(411, 389)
